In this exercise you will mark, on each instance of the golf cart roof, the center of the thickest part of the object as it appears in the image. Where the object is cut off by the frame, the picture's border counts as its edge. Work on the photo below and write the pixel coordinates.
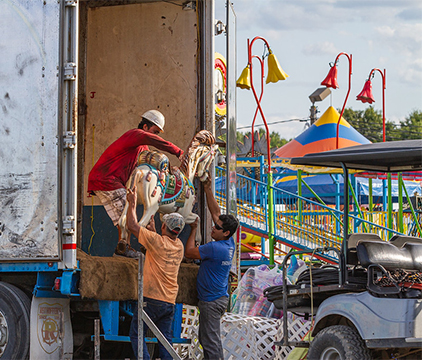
(391, 156)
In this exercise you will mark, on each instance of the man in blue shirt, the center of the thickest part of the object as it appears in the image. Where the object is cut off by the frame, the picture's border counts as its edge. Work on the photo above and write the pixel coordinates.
(213, 276)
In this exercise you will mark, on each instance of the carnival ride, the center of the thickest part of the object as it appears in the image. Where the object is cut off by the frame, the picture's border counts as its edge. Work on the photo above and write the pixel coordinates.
(304, 223)
(369, 306)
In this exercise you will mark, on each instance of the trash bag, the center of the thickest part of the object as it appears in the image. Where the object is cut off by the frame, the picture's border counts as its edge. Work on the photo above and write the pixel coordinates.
(249, 297)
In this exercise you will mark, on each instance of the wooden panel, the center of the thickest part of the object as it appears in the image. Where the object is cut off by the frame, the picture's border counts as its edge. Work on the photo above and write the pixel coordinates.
(139, 57)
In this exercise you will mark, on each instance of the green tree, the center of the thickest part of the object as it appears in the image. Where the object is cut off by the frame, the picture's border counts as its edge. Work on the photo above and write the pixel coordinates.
(411, 127)
(276, 141)
(369, 124)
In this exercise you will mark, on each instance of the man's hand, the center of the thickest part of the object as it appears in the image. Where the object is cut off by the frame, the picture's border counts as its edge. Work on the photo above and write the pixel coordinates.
(191, 251)
(132, 221)
(194, 225)
(132, 195)
(213, 206)
(181, 156)
(151, 224)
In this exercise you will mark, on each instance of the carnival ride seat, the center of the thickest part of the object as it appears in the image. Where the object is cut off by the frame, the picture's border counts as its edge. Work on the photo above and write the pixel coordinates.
(400, 240)
(352, 242)
(391, 257)
(389, 265)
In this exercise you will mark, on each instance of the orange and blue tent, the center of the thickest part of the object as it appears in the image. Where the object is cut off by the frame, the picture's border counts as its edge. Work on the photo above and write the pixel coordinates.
(321, 136)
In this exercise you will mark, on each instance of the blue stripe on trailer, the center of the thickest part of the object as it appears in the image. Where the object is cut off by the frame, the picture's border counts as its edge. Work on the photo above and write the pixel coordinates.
(28, 266)
(149, 340)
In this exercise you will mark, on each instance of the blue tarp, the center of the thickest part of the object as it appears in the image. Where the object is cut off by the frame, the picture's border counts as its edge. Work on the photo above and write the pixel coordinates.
(324, 186)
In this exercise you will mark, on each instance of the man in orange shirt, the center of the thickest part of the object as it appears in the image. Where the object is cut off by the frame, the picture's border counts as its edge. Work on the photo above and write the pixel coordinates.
(162, 261)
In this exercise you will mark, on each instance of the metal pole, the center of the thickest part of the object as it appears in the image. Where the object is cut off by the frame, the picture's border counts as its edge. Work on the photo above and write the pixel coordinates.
(270, 215)
(97, 339)
(390, 205)
(61, 335)
(160, 337)
(140, 305)
(415, 218)
(400, 219)
(299, 192)
(343, 252)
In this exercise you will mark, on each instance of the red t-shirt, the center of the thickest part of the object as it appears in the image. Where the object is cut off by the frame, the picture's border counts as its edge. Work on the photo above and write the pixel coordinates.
(116, 164)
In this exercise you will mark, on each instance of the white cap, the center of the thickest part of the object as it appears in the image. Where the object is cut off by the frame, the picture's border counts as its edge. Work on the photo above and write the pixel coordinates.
(175, 222)
(156, 118)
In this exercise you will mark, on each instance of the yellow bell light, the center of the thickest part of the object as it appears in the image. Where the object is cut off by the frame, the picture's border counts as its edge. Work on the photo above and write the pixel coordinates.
(275, 72)
(244, 81)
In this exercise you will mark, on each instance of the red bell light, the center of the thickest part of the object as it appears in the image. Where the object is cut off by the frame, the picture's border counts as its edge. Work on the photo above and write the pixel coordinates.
(366, 94)
(331, 79)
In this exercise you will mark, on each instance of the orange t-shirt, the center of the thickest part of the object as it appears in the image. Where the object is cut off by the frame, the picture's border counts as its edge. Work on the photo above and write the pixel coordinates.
(162, 262)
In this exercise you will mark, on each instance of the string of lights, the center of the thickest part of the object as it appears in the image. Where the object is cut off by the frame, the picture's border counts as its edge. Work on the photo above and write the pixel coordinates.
(274, 123)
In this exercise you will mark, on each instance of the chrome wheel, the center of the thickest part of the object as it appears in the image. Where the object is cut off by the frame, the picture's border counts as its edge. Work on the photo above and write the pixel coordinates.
(330, 354)
(4, 333)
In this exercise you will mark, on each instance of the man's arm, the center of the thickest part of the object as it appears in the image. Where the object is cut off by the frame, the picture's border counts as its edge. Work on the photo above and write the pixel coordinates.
(191, 251)
(160, 143)
(132, 222)
(213, 206)
(151, 224)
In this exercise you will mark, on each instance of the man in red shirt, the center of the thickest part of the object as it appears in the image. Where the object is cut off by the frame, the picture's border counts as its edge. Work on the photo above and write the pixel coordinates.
(111, 172)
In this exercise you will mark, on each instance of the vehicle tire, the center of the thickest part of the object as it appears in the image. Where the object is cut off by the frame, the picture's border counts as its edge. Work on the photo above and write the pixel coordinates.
(338, 342)
(14, 322)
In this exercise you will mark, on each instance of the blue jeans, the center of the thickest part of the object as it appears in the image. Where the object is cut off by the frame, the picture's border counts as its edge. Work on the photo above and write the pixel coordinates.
(161, 314)
(210, 314)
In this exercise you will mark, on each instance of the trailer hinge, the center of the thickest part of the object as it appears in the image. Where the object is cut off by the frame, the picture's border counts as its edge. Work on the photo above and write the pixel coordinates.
(69, 140)
(70, 2)
(69, 225)
(189, 5)
(70, 71)
(220, 96)
(219, 27)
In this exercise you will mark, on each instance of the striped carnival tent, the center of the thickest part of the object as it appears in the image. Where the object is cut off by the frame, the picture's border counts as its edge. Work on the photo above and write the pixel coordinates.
(321, 136)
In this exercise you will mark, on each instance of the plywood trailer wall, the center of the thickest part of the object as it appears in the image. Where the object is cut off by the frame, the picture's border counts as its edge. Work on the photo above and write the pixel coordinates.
(133, 58)
(139, 57)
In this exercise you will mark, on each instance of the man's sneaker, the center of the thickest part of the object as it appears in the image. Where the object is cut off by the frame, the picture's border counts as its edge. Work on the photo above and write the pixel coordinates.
(126, 250)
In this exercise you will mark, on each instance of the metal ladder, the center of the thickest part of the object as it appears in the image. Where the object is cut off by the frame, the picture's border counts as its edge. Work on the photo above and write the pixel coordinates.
(141, 319)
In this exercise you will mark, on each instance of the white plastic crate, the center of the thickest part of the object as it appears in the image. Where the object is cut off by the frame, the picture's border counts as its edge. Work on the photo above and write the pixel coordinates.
(243, 337)
(190, 323)
(248, 337)
(298, 327)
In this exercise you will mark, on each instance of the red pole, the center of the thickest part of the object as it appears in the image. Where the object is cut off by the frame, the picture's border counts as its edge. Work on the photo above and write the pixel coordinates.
(349, 57)
(383, 104)
(383, 77)
(256, 96)
(260, 98)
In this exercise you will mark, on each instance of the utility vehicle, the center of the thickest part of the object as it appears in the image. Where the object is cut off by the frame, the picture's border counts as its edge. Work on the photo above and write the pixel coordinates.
(370, 306)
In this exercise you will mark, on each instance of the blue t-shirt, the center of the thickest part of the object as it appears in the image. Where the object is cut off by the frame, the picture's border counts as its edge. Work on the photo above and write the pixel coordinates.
(213, 274)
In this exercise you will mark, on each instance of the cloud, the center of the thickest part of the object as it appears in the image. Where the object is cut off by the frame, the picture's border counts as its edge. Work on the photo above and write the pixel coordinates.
(412, 72)
(322, 48)
(379, 33)
(311, 15)
(405, 39)
(411, 14)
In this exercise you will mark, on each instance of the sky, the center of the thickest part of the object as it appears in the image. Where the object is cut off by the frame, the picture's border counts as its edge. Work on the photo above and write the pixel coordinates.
(307, 35)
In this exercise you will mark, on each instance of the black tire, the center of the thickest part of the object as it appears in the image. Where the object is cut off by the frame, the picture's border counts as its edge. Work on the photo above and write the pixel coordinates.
(14, 322)
(338, 342)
